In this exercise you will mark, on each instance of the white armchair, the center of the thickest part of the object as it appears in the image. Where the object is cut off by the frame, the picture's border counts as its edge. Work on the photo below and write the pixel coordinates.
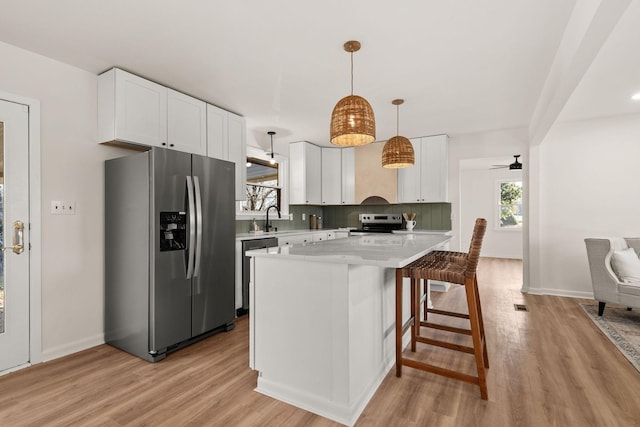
(607, 286)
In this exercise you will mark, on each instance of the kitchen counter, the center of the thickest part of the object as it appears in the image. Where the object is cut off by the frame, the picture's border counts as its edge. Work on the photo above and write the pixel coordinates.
(322, 328)
(264, 234)
(380, 249)
(417, 231)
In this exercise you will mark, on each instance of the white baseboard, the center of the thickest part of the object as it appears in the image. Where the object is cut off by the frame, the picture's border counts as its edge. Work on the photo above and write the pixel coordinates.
(558, 292)
(73, 347)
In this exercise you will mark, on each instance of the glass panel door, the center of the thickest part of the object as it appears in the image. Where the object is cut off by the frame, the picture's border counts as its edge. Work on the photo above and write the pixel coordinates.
(14, 230)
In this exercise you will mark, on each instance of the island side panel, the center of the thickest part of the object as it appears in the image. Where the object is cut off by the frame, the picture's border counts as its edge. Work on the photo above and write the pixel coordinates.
(367, 320)
(300, 326)
(319, 334)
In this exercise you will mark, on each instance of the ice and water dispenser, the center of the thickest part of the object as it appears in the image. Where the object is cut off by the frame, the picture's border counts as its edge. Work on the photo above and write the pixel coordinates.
(173, 231)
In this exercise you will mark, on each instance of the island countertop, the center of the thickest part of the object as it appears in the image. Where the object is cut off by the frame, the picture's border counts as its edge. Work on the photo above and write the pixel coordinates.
(382, 250)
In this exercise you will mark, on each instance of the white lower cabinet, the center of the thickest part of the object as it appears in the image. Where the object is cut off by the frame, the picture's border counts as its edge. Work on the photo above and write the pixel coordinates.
(339, 234)
(318, 237)
(314, 236)
(295, 239)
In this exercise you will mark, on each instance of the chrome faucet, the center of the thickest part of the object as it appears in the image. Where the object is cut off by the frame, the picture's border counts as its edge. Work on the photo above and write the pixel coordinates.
(268, 226)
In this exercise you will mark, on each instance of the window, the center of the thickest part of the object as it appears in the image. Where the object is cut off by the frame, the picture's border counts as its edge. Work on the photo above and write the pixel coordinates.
(510, 204)
(263, 188)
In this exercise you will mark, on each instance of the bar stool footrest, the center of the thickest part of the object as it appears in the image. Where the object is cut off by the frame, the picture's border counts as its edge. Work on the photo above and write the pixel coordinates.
(448, 313)
(440, 371)
(446, 328)
(444, 344)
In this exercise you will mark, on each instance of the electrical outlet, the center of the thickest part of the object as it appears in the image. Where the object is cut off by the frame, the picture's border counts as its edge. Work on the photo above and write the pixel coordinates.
(304, 217)
(63, 207)
(290, 217)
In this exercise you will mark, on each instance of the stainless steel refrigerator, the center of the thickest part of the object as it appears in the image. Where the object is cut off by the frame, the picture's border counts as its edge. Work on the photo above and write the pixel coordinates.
(169, 255)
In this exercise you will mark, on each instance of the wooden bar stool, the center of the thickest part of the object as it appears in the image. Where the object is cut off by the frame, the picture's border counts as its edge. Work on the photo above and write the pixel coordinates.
(452, 271)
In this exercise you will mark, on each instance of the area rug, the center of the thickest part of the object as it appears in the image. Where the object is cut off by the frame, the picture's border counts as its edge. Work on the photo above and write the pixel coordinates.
(622, 327)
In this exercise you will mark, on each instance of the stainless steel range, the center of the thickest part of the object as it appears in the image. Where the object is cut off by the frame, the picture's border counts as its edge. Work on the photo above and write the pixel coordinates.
(379, 223)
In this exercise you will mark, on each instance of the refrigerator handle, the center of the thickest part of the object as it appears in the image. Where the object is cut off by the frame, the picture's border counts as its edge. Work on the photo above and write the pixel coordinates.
(192, 227)
(196, 267)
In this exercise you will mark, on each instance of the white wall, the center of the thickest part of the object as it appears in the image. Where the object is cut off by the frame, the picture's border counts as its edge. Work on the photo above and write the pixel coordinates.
(479, 199)
(502, 143)
(589, 187)
(72, 169)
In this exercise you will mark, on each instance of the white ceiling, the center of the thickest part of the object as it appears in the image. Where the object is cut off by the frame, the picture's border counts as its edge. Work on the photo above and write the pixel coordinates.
(462, 65)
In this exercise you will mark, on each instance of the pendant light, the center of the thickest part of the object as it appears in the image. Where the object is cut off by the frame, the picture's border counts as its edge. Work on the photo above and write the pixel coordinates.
(271, 160)
(397, 151)
(352, 120)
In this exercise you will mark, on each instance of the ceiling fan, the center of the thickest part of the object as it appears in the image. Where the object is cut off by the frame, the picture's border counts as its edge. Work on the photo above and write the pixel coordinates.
(516, 165)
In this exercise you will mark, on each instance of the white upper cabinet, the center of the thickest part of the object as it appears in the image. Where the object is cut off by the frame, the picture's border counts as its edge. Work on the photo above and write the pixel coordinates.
(226, 140)
(305, 174)
(338, 176)
(331, 176)
(427, 180)
(238, 152)
(348, 175)
(217, 132)
(321, 175)
(186, 123)
(131, 109)
(409, 178)
(137, 111)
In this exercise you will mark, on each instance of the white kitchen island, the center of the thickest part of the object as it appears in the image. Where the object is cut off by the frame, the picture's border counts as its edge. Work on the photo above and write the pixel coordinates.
(322, 322)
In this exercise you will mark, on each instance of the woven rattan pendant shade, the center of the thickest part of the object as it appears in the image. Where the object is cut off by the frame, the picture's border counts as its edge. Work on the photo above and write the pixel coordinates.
(352, 120)
(397, 151)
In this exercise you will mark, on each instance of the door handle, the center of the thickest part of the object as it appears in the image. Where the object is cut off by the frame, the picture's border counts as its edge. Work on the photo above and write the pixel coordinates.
(18, 238)
(198, 200)
(192, 227)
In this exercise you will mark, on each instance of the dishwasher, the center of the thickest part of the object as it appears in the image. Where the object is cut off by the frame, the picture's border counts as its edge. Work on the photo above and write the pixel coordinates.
(248, 245)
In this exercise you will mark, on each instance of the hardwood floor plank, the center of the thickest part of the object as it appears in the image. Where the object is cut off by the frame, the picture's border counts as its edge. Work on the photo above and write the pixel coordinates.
(549, 366)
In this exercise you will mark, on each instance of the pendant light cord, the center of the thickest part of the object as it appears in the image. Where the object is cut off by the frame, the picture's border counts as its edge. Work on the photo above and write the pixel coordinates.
(398, 120)
(271, 133)
(271, 144)
(351, 73)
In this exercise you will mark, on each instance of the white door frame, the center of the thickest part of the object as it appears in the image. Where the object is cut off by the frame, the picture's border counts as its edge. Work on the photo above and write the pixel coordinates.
(35, 233)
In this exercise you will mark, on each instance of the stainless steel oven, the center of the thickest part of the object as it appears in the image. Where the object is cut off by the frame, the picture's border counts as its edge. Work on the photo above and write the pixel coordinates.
(378, 223)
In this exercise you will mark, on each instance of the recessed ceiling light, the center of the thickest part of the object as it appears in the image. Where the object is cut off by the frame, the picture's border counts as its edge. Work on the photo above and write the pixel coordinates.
(636, 97)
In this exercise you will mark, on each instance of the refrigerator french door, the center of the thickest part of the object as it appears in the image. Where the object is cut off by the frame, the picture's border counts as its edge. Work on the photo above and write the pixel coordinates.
(169, 257)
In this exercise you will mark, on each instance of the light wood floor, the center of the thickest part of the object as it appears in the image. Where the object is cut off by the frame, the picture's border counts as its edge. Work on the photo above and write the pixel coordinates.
(550, 366)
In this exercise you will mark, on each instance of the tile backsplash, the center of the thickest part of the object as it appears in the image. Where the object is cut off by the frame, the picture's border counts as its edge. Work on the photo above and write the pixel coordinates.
(429, 216)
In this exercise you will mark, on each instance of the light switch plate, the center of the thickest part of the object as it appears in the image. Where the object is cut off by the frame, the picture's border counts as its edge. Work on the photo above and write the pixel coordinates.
(63, 207)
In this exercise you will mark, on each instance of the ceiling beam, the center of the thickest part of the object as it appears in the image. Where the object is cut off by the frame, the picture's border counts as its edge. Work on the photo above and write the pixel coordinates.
(589, 26)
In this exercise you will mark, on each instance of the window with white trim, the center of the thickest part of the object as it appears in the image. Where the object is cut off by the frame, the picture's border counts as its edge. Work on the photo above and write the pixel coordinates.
(266, 185)
(509, 204)
(262, 188)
